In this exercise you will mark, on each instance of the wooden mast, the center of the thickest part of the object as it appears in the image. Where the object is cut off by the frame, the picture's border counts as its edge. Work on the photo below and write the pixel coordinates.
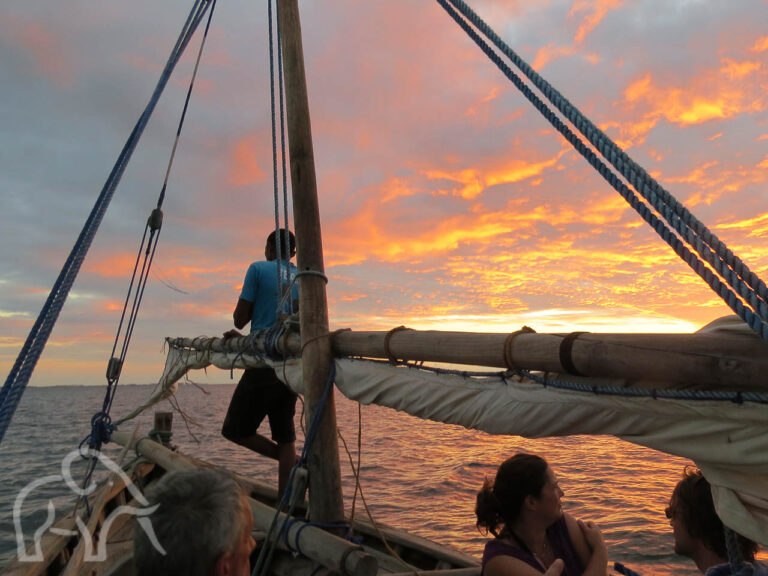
(324, 471)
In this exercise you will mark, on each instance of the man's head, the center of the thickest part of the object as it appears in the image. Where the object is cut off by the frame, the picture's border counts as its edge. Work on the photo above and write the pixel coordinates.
(697, 529)
(203, 522)
(287, 245)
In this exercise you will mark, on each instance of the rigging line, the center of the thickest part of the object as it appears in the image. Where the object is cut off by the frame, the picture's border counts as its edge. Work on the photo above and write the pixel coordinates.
(154, 227)
(20, 373)
(728, 294)
(154, 223)
(130, 291)
(281, 98)
(186, 105)
(737, 397)
(278, 239)
(707, 244)
(167, 284)
(359, 488)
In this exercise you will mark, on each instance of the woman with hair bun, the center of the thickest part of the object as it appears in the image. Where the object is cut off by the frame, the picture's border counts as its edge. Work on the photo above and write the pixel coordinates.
(533, 535)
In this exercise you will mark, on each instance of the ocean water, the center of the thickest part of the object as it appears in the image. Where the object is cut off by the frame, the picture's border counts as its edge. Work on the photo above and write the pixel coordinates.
(416, 475)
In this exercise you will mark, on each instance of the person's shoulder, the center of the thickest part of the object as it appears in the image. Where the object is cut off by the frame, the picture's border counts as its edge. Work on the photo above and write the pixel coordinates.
(260, 265)
(507, 565)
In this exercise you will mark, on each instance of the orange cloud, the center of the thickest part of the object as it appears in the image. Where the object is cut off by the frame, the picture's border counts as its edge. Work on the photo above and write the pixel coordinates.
(244, 168)
(593, 12)
(735, 70)
(490, 97)
(760, 45)
(714, 180)
(710, 95)
(46, 49)
(550, 52)
(755, 227)
(111, 266)
(473, 182)
(596, 11)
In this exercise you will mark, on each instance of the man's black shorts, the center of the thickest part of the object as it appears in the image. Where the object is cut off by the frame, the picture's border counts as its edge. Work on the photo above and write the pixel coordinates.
(260, 393)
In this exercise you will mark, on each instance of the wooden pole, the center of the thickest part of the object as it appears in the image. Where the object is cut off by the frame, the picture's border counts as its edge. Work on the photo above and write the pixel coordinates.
(724, 361)
(728, 361)
(326, 504)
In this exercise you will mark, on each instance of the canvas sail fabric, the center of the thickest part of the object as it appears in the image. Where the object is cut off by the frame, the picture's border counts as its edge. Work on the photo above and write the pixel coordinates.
(727, 440)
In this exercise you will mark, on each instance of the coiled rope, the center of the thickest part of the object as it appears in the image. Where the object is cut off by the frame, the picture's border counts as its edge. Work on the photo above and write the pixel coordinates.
(742, 290)
(18, 378)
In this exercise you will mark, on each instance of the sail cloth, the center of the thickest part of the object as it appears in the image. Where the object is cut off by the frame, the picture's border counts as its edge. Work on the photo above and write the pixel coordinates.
(727, 440)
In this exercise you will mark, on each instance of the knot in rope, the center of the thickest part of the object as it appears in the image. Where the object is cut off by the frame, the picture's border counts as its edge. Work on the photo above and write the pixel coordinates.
(101, 431)
(272, 341)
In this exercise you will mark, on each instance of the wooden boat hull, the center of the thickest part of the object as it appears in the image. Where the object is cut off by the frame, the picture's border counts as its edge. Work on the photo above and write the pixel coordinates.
(63, 555)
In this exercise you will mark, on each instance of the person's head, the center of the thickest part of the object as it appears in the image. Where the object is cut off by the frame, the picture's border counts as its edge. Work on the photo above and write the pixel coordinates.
(695, 524)
(287, 245)
(524, 483)
(204, 524)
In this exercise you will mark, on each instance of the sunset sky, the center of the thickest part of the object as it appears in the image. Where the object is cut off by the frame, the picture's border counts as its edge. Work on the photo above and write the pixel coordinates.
(447, 201)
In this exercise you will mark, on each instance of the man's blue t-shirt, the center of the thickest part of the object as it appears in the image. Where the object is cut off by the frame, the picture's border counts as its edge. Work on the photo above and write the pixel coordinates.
(260, 287)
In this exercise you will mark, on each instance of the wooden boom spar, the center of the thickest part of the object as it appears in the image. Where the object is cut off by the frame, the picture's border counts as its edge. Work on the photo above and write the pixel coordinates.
(731, 361)
(723, 361)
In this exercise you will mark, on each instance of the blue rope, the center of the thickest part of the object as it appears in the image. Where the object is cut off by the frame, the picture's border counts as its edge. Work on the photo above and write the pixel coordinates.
(20, 373)
(730, 268)
(265, 555)
(630, 392)
(272, 341)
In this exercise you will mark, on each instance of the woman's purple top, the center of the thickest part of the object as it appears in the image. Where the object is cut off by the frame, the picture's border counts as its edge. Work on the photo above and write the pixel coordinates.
(561, 544)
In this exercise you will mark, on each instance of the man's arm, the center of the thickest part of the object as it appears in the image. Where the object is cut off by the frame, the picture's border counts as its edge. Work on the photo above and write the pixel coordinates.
(243, 313)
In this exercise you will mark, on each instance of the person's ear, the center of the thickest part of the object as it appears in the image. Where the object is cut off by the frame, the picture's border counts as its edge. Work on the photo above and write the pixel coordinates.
(223, 566)
(530, 502)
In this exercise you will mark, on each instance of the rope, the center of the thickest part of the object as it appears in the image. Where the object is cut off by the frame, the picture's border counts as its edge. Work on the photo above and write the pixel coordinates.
(287, 293)
(387, 352)
(740, 283)
(150, 238)
(267, 551)
(278, 239)
(18, 378)
(630, 392)
(101, 423)
(282, 136)
(508, 359)
(359, 487)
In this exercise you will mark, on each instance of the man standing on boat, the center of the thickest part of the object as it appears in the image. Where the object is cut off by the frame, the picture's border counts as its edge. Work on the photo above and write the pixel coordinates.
(260, 392)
